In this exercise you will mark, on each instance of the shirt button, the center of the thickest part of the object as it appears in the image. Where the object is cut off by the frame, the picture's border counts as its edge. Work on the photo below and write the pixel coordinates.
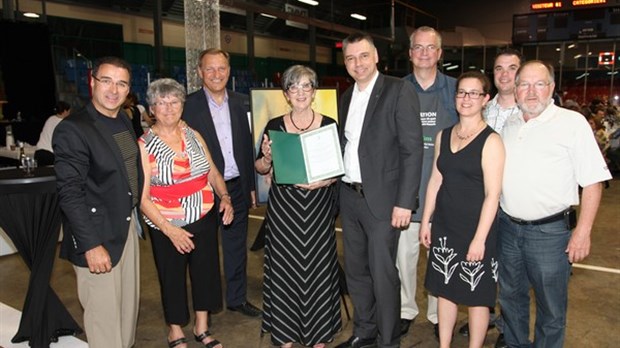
(94, 210)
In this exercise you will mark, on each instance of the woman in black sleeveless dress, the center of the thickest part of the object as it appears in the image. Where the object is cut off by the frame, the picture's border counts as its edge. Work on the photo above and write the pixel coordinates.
(462, 197)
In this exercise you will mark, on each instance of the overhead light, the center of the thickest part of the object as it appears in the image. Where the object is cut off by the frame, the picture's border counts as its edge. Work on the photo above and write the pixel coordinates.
(472, 67)
(358, 16)
(268, 15)
(571, 46)
(31, 15)
(577, 56)
(452, 67)
(309, 2)
(447, 64)
(558, 49)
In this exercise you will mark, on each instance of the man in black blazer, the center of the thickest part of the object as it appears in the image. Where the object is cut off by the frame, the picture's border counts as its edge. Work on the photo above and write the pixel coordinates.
(99, 180)
(221, 117)
(381, 136)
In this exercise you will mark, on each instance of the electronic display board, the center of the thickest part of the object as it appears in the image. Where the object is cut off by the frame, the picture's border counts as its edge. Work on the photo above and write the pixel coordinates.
(581, 24)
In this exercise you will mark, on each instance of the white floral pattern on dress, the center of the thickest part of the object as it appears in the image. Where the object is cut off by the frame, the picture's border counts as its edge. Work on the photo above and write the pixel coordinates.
(472, 273)
(444, 255)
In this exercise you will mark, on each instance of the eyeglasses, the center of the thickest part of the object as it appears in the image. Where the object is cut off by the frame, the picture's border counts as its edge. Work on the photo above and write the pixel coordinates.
(420, 48)
(306, 87)
(107, 82)
(472, 94)
(162, 104)
(539, 86)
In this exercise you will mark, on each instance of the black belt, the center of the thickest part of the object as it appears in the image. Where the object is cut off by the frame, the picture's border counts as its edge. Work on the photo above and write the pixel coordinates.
(232, 181)
(355, 186)
(546, 220)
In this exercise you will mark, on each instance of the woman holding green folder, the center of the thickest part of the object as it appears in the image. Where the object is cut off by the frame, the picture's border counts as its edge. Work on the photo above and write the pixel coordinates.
(301, 298)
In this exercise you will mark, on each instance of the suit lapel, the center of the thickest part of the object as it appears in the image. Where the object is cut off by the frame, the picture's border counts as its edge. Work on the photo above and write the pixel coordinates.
(211, 134)
(372, 102)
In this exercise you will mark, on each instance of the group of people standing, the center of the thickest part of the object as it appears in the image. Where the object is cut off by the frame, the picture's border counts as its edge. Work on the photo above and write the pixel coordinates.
(487, 185)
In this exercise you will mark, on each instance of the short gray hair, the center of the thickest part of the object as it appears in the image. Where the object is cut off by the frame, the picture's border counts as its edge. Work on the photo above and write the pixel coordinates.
(295, 73)
(164, 87)
(425, 29)
(548, 66)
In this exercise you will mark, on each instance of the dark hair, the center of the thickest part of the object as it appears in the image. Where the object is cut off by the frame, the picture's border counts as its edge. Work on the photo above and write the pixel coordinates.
(213, 52)
(357, 37)
(61, 107)
(116, 61)
(475, 74)
(511, 52)
(293, 74)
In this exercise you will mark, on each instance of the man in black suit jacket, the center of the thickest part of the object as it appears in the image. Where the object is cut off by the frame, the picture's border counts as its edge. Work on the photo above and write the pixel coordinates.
(221, 117)
(99, 179)
(381, 136)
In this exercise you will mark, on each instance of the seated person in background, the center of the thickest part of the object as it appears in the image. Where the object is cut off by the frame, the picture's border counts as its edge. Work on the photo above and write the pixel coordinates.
(44, 155)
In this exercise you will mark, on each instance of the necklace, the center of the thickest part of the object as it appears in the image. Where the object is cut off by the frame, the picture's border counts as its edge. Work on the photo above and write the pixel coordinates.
(302, 129)
(465, 137)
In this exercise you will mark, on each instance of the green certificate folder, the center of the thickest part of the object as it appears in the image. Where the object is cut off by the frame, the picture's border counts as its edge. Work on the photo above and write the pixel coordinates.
(307, 157)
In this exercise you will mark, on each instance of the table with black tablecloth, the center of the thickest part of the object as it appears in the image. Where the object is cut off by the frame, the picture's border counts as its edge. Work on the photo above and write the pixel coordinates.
(30, 216)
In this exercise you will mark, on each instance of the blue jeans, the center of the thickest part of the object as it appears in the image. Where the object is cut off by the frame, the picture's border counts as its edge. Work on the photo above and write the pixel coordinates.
(533, 256)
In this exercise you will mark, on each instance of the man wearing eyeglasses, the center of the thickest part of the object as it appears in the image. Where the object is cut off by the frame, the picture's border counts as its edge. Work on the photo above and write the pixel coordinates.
(99, 180)
(550, 152)
(437, 111)
(221, 117)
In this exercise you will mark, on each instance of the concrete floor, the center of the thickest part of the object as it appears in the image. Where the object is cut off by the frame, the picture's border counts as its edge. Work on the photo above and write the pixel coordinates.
(594, 297)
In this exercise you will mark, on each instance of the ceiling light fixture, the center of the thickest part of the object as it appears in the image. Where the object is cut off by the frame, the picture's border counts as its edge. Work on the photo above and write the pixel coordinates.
(452, 67)
(31, 15)
(309, 2)
(268, 15)
(358, 16)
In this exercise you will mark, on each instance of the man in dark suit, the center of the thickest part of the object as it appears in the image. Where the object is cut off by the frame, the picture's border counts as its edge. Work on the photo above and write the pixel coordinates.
(99, 181)
(221, 117)
(382, 140)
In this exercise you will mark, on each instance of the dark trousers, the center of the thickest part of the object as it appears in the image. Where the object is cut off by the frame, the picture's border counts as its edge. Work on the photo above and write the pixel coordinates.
(234, 246)
(204, 270)
(370, 247)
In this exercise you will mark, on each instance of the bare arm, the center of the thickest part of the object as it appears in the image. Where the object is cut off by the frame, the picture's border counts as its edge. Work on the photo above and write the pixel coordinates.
(180, 238)
(493, 157)
(264, 163)
(579, 244)
(434, 183)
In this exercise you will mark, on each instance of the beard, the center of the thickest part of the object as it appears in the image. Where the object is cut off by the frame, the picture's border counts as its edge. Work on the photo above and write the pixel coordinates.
(534, 109)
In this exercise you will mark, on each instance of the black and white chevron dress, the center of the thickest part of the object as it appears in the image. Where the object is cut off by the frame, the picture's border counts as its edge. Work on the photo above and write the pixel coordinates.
(301, 298)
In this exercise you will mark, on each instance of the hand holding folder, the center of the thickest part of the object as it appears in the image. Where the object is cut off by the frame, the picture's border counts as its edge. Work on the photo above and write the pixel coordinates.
(307, 157)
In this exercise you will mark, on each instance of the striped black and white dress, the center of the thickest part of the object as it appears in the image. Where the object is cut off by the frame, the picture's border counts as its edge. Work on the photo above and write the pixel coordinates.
(301, 298)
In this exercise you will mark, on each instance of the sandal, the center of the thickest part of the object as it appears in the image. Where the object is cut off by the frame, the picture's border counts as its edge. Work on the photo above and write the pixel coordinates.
(172, 344)
(204, 335)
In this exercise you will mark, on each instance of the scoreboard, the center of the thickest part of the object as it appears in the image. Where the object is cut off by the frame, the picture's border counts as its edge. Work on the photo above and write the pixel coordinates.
(575, 24)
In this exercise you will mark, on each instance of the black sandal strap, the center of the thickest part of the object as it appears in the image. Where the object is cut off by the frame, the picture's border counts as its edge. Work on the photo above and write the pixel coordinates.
(176, 342)
(212, 344)
(202, 336)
